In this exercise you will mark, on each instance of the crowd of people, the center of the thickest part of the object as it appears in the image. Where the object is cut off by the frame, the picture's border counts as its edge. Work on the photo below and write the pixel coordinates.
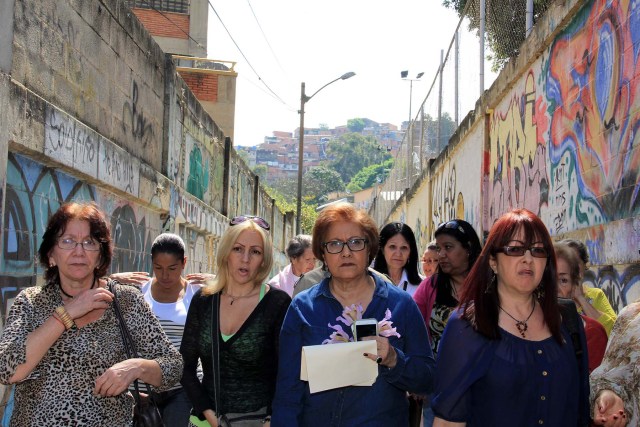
(500, 334)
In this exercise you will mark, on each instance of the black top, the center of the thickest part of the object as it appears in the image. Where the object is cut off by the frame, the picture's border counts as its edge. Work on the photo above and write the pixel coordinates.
(248, 360)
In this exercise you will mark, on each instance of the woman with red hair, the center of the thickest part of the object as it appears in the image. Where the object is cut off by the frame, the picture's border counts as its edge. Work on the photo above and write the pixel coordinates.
(506, 358)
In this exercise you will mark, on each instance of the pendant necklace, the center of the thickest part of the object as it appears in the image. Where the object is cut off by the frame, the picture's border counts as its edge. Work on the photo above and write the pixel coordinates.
(233, 298)
(521, 325)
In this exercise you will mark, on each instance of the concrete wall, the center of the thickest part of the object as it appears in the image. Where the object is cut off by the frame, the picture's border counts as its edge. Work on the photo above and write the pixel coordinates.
(556, 134)
(92, 109)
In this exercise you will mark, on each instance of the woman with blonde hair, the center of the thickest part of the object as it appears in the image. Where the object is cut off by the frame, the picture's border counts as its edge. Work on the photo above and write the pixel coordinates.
(244, 315)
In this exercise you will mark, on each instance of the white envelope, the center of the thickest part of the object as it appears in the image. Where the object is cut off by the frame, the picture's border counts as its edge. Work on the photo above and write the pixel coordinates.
(331, 366)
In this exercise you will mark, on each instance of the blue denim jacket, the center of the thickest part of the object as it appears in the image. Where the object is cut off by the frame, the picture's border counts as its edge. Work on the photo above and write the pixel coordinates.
(383, 404)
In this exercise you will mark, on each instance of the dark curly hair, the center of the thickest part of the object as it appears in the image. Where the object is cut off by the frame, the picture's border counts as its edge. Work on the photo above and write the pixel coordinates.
(98, 228)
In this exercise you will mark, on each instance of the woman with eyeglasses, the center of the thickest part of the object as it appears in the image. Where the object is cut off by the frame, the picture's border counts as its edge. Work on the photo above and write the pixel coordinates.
(346, 240)
(429, 259)
(233, 327)
(62, 346)
(458, 247)
(506, 357)
(398, 256)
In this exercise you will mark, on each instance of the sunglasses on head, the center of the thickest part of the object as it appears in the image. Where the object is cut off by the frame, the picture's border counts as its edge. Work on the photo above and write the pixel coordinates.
(453, 225)
(261, 222)
(536, 251)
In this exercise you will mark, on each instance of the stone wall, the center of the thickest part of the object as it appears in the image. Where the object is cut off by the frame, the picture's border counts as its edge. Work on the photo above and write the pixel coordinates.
(92, 109)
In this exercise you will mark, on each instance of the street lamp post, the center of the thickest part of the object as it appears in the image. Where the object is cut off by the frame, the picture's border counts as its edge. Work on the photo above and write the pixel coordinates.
(303, 100)
(404, 75)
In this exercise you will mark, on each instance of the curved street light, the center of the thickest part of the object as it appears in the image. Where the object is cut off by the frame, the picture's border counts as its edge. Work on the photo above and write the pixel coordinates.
(303, 100)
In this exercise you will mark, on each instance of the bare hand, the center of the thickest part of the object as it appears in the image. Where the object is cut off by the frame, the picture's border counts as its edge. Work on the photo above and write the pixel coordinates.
(211, 417)
(136, 278)
(117, 378)
(384, 351)
(87, 301)
(200, 278)
(608, 410)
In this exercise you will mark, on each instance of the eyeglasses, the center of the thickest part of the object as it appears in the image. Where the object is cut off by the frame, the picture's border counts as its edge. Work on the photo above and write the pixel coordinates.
(242, 218)
(87, 245)
(453, 224)
(336, 246)
(536, 251)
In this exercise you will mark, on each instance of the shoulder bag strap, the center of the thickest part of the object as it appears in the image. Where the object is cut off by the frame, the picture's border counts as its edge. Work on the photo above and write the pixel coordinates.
(127, 340)
(215, 350)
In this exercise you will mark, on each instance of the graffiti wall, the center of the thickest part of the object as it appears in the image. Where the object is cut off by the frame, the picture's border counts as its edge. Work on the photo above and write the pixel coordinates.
(33, 192)
(564, 144)
(455, 193)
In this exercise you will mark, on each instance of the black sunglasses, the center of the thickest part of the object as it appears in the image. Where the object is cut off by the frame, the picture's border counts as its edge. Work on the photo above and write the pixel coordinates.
(242, 218)
(453, 225)
(536, 252)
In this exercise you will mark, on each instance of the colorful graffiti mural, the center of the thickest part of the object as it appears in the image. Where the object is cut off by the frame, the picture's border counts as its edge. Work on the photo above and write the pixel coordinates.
(518, 174)
(592, 89)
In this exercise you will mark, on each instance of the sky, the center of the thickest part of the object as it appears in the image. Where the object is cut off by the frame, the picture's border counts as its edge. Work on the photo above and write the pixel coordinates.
(283, 43)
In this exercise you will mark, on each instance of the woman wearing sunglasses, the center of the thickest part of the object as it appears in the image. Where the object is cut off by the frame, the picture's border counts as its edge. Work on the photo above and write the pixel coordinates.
(506, 358)
(346, 240)
(458, 247)
(243, 315)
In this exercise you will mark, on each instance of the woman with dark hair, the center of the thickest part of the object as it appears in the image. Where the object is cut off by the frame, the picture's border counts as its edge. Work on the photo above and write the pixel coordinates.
(62, 345)
(505, 358)
(301, 260)
(397, 256)
(169, 295)
(346, 240)
(458, 247)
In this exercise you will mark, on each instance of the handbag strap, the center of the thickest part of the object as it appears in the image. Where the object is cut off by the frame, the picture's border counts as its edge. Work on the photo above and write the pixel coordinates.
(215, 350)
(129, 345)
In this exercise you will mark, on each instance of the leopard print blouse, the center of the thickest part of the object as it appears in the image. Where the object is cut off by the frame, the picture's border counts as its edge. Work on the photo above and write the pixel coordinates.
(620, 368)
(59, 390)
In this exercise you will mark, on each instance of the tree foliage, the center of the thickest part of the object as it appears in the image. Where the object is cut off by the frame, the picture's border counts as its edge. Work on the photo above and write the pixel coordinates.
(355, 125)
(369, 176)
(308, 212)
(352, 152)
(261, 171)
(317, 182)
(505, 24)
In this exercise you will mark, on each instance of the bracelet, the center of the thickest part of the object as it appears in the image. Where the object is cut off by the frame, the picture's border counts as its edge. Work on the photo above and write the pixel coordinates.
(55, 316)
(65, 317)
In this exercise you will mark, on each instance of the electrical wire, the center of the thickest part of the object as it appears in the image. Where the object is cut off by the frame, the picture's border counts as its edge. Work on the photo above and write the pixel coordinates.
(265, 38)
(244, 56)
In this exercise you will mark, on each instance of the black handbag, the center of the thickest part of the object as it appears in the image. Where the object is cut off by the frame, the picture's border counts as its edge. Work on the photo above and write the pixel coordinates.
(145, 411)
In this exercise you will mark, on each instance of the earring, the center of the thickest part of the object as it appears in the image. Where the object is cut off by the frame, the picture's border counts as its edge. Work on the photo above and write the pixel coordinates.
(492, 283)
(539, 292)
(52, 263)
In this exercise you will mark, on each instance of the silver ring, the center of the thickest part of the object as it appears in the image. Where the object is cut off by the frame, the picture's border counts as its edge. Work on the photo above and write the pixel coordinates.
(379, 360)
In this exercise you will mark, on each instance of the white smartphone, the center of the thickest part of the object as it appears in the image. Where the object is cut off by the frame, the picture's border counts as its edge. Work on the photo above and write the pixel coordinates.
(364, 328)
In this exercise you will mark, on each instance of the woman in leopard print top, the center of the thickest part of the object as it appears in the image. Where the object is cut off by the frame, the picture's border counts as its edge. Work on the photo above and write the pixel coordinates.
(62, 346)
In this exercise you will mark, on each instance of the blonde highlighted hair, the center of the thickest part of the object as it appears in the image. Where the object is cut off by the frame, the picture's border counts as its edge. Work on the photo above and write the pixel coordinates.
(229, 239)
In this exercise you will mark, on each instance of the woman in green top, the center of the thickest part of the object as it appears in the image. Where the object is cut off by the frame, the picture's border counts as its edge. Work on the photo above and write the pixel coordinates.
(244, 315)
